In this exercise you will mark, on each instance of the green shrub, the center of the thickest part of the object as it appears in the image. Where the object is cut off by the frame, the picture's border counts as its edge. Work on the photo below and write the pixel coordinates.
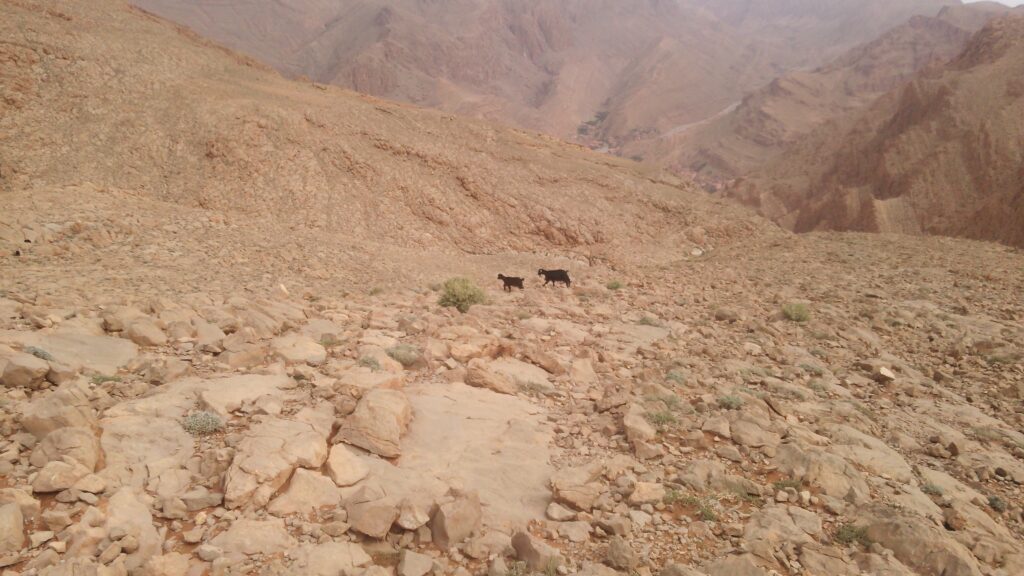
(614, 285)
(39, 353)
(101, 379)
(730, 402)
(932, 489)
(996, 503)
(661, 419)
(405, 354)
(648, 321)
(783, 484)
(461, 294)
(369, 362)
(796, 312)
(850, 533)
(202, 423)
(330, 341)
(676, 376)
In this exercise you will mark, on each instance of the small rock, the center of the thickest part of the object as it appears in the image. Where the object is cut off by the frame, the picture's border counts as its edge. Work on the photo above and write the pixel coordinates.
(538, 555)
(620, 555)
(12, 528)
(413, 564)
(344, 467)
(455, 521)
(559, 513)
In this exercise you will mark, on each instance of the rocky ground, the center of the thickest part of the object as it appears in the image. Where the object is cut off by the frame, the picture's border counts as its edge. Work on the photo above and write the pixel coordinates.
(814, 405)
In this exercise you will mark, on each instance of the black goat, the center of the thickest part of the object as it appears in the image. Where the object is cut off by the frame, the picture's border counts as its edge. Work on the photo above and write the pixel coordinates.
(555, 276)
(511, 282)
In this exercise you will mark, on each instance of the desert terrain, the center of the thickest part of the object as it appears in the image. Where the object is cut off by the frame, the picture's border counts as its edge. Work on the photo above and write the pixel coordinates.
(223, 348)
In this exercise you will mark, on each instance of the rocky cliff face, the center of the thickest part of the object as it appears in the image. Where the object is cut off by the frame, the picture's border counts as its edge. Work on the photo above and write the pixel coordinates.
(793, 105)
(940, 155)
(610, 73)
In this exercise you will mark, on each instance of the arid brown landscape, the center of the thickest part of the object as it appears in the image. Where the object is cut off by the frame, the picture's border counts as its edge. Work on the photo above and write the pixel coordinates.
(251, 321)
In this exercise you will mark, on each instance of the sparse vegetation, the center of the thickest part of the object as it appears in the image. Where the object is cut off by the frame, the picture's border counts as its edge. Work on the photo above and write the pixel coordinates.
(648, 321)
(101, 379)
(676, 376)
(517, 569)
(813, 370)
(672, 496)
(788, 483)
(850, 533)
(39, 353)
(614, 285)
(996, 503)
(330, 341)
(705, 507)
(661, 419)
(202, 423)
(405, 354)
(369, 362)
(932, 489)
(730, 402)
(796, 312)
(375, 291)
(461, 294)
(671, 401)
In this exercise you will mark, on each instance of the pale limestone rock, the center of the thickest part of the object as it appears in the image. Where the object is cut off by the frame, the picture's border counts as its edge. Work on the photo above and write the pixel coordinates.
(12, 528)
(539, 556)
(717, 425)
(413, 513)
(480, 377)
(145, 332)
(559, 513)
(576, 487)
(127, 514)
(377, 425)
(170, 564)
(307, 492)
(73, 441)
(371, 514)
(138, 447)
(100, 354)
(298, 349)
(921, 545)
(638, 429)
(246, 536)
(58, 475)
(414, 564)
(620, 555)
(332, 559)
(21, 370)
(647, 493)
(67, 406)
(455, 521)
(344, 467)
(30, 507)
(265, 458)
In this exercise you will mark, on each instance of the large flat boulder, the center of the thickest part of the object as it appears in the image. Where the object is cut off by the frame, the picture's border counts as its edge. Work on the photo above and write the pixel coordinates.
(265, 458)
(377, 425)
(100, 354)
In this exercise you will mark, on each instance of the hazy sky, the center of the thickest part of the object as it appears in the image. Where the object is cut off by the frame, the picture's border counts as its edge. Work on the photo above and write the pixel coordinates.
(1010, 2)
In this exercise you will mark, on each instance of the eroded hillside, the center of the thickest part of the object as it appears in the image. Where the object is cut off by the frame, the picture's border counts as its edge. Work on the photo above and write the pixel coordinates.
(223, 349)
(941, 155)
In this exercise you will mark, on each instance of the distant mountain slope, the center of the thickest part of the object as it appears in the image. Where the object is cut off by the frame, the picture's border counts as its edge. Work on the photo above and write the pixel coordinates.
(611, 71)
(942, 155)
(769, 119)
(101, 94)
